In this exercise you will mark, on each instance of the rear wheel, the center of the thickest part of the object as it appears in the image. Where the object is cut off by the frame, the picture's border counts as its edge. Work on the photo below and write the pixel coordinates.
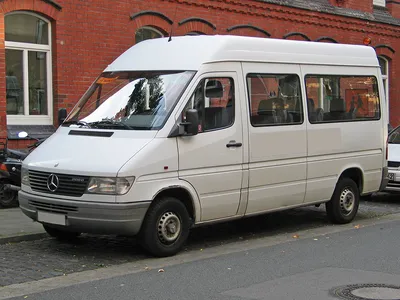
(8, 198)
(60, 234)
(343, 206)
(165, 228)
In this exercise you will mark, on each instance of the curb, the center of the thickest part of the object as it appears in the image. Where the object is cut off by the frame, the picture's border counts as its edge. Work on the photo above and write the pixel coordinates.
(22, 238)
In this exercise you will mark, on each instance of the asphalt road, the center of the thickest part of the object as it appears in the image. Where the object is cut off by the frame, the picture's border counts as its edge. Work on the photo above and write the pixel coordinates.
(372, 248)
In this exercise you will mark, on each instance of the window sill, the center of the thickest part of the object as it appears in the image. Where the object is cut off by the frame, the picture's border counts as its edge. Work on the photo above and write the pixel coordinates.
(29, 120)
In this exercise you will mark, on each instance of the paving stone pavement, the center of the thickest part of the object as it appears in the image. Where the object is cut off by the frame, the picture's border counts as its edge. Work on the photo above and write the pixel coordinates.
(45, 258)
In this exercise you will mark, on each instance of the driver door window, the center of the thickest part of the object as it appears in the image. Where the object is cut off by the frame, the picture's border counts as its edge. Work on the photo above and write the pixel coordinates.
(213, 98)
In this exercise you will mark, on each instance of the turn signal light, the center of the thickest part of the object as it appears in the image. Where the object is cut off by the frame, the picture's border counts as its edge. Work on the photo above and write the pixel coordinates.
(3, 167)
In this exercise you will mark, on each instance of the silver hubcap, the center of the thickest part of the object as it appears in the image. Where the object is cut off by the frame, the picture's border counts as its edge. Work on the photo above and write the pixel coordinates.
(347, 201)
(169, 228)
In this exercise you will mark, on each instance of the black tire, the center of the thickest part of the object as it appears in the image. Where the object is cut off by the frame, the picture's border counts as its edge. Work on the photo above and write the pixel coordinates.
(343, 206)
(166, 214)
(61, 235)
(8, 198)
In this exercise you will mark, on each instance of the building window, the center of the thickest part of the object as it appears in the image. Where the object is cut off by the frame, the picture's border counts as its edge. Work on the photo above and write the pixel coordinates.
(28, 69)
(383, 62)
(147, 33)
(195, 33)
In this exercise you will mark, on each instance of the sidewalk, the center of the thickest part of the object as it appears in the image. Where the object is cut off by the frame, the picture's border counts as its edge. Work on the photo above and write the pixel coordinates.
(16, 227)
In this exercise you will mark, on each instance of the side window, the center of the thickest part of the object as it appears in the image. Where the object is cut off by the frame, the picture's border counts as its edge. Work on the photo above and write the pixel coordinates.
(275, 99)
(342, 98)
(214, 99)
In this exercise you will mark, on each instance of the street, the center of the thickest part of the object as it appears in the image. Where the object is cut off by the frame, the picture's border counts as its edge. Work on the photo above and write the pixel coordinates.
(219, 258)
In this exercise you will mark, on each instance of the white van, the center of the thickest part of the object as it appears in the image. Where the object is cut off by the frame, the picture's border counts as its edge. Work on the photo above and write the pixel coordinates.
(201, 129)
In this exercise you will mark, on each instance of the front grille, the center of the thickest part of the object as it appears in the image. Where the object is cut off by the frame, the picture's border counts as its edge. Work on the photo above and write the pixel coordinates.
(69, 185)
(393, 164)
(57, 208)
(393, 184)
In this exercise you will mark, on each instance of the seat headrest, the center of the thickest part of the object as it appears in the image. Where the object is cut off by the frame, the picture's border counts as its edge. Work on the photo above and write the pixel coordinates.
(337, 105)
(214, 89)
(265, 107)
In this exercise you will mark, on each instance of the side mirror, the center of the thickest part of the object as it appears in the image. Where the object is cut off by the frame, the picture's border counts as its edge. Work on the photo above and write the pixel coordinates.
(191, 126)
(22, 134)
(62, 115)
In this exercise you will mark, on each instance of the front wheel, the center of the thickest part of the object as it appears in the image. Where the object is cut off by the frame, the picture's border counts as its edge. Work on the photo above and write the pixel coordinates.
(8, 198)
(61, 235)
(343, 206)
(165, 228)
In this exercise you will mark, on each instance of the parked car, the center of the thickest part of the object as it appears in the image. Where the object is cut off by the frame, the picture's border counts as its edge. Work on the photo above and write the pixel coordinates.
(10, 171)
(394, 161)
(390, 127)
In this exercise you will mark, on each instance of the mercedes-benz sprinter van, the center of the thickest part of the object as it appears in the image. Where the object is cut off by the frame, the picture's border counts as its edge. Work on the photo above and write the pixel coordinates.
(203, 129)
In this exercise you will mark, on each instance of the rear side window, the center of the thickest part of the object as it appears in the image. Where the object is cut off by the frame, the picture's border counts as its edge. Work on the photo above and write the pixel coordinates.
(342, 98)
(274, 99)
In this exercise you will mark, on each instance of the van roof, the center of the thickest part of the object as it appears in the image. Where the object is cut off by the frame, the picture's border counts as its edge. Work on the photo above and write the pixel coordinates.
(190, 52)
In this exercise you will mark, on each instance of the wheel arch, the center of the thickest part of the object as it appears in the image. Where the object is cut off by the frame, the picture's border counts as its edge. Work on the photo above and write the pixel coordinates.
(186, 195)
(355, 173)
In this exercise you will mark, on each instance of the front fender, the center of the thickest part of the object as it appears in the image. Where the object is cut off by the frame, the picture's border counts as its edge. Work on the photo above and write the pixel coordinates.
(148, 189)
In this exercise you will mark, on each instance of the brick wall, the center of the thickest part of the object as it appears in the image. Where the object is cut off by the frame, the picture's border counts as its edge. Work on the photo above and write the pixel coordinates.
(88, 35)
(394, 8)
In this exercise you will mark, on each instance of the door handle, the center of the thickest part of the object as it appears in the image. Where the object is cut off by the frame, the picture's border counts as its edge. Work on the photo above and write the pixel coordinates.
(232, 144)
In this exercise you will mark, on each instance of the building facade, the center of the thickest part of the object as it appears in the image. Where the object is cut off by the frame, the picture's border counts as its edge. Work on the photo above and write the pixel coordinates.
(53, 50)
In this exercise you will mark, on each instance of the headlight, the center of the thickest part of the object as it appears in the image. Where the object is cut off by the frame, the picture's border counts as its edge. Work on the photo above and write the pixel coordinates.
(110, 186)
(25, 176)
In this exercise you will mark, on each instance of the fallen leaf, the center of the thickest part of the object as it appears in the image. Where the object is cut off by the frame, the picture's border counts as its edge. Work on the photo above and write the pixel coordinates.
(295, 236)
(161, 270)
(25, 297)
(357, 226)
(146, 268)
(315, 239)
(229, 269)
(201, 249)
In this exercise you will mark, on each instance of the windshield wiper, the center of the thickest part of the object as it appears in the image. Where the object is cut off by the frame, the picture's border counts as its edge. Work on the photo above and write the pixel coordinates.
(112, 123)
(81, 123)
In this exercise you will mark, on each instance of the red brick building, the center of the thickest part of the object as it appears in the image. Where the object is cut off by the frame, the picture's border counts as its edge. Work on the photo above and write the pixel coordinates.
(53, 50)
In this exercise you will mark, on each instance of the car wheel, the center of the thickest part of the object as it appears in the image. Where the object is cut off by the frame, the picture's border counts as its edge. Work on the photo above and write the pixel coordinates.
(343, 206)
(8, 198)
(165, 228)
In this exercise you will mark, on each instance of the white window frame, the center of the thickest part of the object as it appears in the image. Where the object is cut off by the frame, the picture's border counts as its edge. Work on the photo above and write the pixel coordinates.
(385, 79)
(380, 3)
(27, 119)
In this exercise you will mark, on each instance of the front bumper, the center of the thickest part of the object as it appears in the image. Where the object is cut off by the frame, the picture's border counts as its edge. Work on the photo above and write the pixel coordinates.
(87, 217)
(393, 184)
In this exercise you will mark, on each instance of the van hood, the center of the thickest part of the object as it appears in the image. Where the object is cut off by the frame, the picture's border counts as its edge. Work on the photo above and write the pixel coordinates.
(87, 155)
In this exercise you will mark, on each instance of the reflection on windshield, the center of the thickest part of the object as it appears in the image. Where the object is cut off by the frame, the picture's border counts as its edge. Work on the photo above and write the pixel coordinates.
(394, 137)
(129, 100)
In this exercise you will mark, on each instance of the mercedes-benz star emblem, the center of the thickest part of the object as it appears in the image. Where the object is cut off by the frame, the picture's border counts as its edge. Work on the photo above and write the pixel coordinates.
(52, 183)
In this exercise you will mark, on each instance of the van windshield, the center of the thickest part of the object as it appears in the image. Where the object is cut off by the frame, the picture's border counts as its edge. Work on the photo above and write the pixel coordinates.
(394, 136)
(129, 100)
